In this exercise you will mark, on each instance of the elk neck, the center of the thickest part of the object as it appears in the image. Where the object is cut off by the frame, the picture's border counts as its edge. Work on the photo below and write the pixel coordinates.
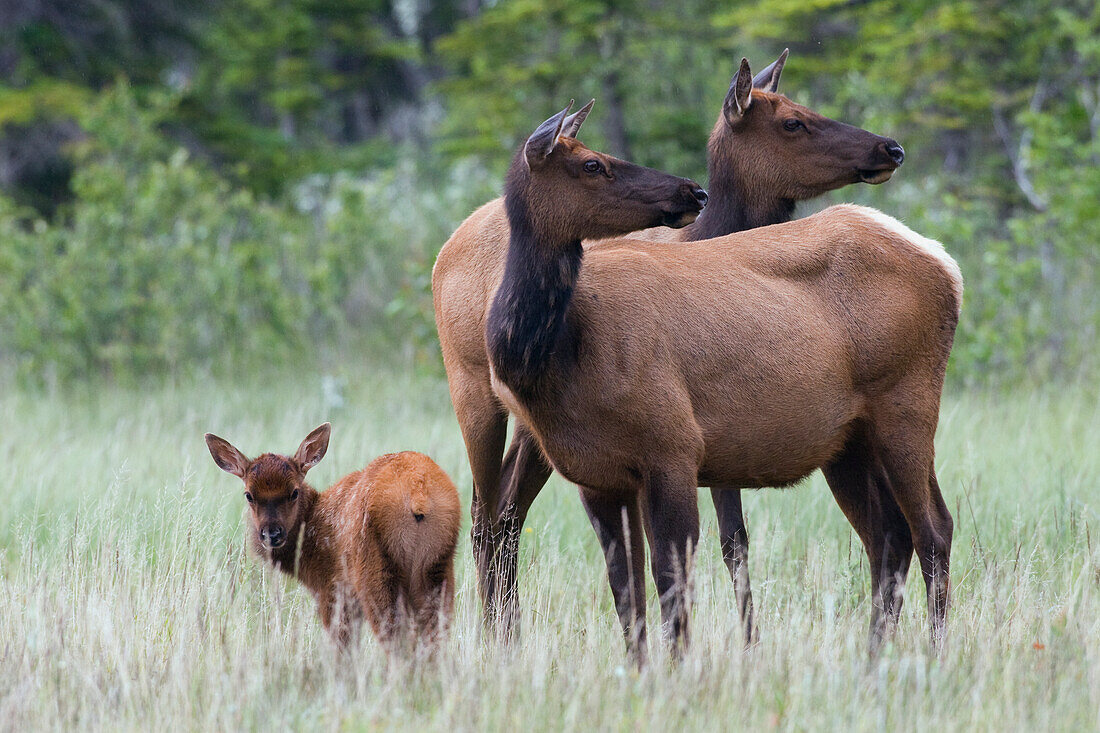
(528, 315)
(307, 549)
(733, 209)
(737, 201)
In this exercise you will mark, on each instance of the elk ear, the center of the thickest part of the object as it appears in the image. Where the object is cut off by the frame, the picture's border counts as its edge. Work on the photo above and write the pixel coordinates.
(226, 456)
(544, 138)
(739, 97)
(768, 79)
(573, 122)
(313, 448)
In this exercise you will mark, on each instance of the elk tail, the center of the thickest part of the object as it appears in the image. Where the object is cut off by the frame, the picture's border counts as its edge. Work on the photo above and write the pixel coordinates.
(418, 500)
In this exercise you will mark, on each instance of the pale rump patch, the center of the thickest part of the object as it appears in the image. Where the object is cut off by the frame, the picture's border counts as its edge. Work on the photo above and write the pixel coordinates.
(503, 393)
(930, 246)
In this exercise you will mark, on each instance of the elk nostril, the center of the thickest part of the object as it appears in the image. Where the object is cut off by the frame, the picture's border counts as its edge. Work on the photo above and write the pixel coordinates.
(896, 152)
(700, 196)
(418, 516)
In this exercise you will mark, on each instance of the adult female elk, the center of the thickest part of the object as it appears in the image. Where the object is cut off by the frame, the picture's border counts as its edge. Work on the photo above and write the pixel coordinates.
(380, 542)
(764, 154)
(743, 361)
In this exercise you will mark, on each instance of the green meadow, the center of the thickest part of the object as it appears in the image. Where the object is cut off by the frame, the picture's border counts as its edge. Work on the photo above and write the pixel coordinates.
(129, 599)
(223, 216)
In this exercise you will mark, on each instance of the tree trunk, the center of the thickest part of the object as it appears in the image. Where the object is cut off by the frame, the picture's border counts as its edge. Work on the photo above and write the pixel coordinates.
(615, 121)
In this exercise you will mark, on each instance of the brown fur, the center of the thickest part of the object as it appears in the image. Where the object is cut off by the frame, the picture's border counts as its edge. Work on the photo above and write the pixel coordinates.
(358, 547)
(743, 361)
(757, 172)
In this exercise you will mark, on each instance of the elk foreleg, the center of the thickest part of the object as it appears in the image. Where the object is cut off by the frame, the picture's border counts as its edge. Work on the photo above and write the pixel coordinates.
(674, 534)
(618, 524)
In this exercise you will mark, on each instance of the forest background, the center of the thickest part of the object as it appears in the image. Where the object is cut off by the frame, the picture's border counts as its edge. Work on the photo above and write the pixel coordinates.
(196, 187)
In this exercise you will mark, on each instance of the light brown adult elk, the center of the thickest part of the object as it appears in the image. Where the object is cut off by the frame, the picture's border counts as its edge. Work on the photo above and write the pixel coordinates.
(765, 153)
(379, 543)
(645, 369)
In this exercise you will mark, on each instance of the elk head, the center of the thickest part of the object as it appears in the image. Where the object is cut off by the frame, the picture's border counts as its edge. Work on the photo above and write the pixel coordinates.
(274, 486)
(791, 152)
(576, 193)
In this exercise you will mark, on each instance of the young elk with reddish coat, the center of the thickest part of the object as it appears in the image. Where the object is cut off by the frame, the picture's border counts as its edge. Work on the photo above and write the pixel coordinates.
(765, 153)
(379, 543)
(743, 361)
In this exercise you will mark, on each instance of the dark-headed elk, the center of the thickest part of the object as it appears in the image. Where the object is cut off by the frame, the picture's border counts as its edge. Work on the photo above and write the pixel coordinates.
(765, 153)
(645, 369)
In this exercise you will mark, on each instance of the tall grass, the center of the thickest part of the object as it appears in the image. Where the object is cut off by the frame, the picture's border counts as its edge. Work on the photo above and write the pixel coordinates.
(128, 600)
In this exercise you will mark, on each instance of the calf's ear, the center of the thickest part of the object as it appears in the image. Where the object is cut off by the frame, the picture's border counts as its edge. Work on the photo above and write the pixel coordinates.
(313, 448)
(226, 456)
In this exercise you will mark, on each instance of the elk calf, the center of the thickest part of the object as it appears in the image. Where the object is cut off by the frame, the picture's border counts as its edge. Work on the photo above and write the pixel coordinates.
(379, 543)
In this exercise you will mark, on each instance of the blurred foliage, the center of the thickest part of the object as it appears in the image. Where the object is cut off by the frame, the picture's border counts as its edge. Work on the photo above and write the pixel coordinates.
(658, 73)
(283, 82)
(271, 179)
(161, 264)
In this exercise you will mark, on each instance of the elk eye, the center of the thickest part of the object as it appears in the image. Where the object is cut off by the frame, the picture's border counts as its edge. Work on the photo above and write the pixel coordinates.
(592, 166)
(792, 124)
(294, 495)
(248, 496)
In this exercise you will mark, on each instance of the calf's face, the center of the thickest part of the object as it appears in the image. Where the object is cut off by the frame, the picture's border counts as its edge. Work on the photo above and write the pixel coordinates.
(273, 484)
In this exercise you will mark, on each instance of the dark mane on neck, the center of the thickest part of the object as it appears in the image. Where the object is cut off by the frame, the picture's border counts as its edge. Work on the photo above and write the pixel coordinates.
(735, 204)
(733, 209)
(527, 317)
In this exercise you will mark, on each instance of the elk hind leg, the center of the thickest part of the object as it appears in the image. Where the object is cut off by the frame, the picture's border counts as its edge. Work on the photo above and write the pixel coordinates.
(436, 603)
(903, 442)
(735, 552)
(861, 488)
(524, 473)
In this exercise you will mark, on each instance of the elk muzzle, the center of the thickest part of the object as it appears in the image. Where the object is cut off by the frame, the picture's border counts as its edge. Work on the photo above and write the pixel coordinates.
(272, 536)
(690, 201)
(895, 151)
(888, 155)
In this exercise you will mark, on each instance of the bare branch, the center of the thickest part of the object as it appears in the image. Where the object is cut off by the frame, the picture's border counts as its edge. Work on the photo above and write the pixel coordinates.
(1089, 94)
(1019, 153)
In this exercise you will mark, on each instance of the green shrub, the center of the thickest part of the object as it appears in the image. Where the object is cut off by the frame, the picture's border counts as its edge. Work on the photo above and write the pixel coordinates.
(160, 264)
